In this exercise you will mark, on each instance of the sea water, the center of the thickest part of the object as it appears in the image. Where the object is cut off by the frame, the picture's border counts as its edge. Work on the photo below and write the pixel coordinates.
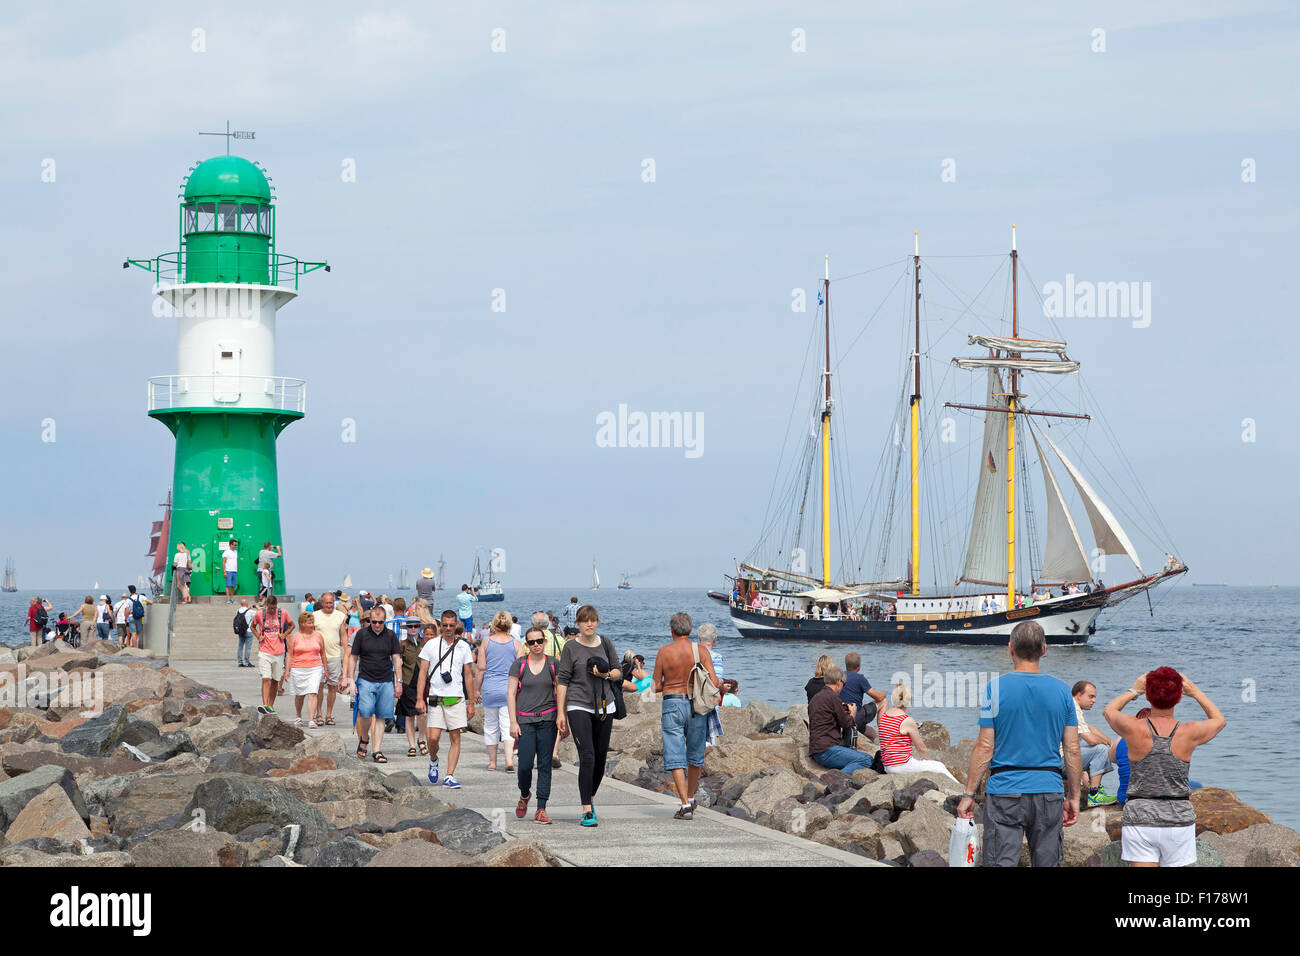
(1238, 644)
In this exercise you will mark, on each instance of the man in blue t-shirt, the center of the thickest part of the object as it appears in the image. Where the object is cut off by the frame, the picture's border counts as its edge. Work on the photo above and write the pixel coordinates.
(1027, 720)
(855, 686)
(465, 606)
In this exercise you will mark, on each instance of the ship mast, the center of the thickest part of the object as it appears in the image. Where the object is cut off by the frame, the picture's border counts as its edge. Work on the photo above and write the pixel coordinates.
(826, 440)
(916, 427)
(1011, 440)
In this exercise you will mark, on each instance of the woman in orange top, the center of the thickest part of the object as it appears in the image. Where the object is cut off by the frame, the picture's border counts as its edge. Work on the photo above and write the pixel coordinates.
(305, 666)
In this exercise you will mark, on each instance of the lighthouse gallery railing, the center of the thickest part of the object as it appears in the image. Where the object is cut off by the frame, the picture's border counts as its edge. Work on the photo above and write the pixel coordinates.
(233, 391)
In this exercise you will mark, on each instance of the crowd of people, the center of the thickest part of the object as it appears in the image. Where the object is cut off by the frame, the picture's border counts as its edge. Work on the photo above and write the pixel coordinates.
(122, 620)
(1044, 761)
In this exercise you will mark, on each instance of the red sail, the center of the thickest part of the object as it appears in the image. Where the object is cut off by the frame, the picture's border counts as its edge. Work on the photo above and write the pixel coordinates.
(158, 547)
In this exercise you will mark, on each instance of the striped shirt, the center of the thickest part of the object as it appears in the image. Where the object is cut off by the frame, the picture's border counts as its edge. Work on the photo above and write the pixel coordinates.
(895, 746)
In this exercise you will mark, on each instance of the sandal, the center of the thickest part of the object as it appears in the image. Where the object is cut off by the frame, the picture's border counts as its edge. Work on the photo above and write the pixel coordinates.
(379, 757)
(424, 748)
(329, 721)
(361, 749)
(411, 751)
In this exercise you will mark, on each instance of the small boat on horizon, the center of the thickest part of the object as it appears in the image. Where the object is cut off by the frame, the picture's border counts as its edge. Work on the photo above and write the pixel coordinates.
(11, 579)
(595, 577)
(489, 588)
(624, 584)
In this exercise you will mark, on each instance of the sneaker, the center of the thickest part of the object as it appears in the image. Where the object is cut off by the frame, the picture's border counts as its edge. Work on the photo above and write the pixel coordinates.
(521, 808)
(589, 819)
(263, 709)
(433, 771)
(1100, 799)
(450, 782)
(684, 813)
(541, 817)
(271, 710)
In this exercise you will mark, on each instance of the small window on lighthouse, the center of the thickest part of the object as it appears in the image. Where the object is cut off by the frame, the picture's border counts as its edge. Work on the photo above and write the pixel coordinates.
(206, 211)
(227, 355)
(226, 217)
(248, 217)
(191, 219)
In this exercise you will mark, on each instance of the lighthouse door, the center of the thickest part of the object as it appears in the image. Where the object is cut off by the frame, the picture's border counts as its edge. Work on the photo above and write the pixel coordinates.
(225, 373)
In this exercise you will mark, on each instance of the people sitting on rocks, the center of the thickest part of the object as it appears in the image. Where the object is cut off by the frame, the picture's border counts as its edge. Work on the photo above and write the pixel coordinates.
(828, 718)
(856, 686)
(1094, 746)
(729, 687)
(1158, 825)
(635, 677)
(900, 738)
(818, 680)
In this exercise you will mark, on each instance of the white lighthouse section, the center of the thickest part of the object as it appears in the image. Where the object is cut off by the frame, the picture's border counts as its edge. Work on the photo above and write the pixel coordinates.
(226, 349)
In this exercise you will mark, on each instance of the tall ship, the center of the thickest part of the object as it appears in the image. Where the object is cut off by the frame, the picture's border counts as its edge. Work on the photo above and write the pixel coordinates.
(11, 578)
(403, 580)
(440, 580)
(160, 548)
(489, 587)
(986, 568)
(595, 577)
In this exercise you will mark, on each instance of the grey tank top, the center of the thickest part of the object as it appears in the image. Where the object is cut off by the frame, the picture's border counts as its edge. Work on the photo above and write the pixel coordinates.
(1158, 792)
(535, 699)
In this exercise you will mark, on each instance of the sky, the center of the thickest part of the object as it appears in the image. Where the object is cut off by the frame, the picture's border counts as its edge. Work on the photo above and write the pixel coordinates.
(504, 146)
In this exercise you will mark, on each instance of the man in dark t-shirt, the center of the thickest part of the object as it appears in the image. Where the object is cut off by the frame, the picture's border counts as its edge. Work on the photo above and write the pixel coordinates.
(374, 666)
(855, 687)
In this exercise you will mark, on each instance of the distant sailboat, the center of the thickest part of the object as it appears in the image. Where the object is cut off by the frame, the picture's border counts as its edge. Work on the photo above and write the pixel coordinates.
(11, 580)
(441, 581)
(347, 580)
(403, 580)
(595, 576)
(623, 583)
(96, 586)
(489, 588)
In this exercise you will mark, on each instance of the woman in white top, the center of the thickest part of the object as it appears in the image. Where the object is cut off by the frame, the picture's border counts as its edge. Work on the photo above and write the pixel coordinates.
(181, 571)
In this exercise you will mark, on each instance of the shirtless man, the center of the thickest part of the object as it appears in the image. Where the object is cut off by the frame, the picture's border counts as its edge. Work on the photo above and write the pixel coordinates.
(683, 729)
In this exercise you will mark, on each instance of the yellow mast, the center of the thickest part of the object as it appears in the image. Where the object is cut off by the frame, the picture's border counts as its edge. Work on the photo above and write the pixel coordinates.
(916, 427)
(826, 441)
(1011, 443)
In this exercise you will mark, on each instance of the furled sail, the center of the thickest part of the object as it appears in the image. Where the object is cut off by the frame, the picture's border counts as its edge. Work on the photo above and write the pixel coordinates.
(1051, 366)
(986, 552)
(1018, 345)
(1063, 556)
(1110, 537)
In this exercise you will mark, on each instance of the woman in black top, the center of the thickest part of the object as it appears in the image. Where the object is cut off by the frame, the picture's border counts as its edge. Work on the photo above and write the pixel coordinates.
(586, 703)
(818, 681)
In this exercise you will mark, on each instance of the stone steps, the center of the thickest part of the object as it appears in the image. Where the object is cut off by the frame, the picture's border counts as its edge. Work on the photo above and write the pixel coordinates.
(203, 632)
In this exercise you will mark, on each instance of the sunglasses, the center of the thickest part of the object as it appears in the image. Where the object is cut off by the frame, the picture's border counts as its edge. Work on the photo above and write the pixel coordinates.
(537, 643)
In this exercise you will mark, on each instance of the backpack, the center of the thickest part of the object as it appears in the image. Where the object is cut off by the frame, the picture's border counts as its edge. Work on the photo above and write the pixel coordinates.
(42, 618)
(241, 623)
(705, 696)
(137, 609)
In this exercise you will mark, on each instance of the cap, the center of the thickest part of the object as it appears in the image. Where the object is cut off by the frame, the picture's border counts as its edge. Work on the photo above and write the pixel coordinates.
(103, 597)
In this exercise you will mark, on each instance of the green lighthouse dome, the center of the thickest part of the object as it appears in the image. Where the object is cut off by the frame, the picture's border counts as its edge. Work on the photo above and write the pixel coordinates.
(227, 176)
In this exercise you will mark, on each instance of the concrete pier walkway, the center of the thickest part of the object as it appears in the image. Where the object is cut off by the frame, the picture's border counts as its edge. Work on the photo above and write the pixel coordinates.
(636, 825)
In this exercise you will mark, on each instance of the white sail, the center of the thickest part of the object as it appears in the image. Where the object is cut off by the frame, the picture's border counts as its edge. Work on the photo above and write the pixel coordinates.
(1025, 365)
(1110, 537)
(595, 576)
(1063, 556)
(986, 552)
(1018, 345)
(347, 580)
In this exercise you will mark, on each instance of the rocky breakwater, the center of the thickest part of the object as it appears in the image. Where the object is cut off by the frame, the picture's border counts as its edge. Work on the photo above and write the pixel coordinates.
(159, 770)
(760, 771)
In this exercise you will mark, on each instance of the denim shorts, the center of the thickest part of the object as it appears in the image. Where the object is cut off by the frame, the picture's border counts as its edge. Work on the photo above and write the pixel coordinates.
(230, 578)
(684, 732)
(136, 623)
(374, 699)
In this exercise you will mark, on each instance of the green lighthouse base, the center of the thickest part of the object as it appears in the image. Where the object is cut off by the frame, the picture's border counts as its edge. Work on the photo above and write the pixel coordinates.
(225, 486)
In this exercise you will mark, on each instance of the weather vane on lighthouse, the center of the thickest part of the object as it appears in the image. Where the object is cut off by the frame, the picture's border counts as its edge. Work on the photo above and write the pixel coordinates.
(233, 134)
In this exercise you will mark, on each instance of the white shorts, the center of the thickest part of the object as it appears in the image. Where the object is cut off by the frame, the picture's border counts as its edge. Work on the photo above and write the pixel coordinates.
(270, 666)
(447, 718)
(1167, 846)
(304, 681)
(496, 725)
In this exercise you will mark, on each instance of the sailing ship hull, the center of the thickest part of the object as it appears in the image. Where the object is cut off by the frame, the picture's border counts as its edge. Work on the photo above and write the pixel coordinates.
(491, 592)
(1063, 622)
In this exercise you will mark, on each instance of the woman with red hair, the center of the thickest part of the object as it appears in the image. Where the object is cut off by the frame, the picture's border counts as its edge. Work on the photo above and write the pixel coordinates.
(1158, 826)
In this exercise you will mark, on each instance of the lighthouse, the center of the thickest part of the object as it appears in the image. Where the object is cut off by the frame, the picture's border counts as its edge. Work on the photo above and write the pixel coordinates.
(225, 284)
